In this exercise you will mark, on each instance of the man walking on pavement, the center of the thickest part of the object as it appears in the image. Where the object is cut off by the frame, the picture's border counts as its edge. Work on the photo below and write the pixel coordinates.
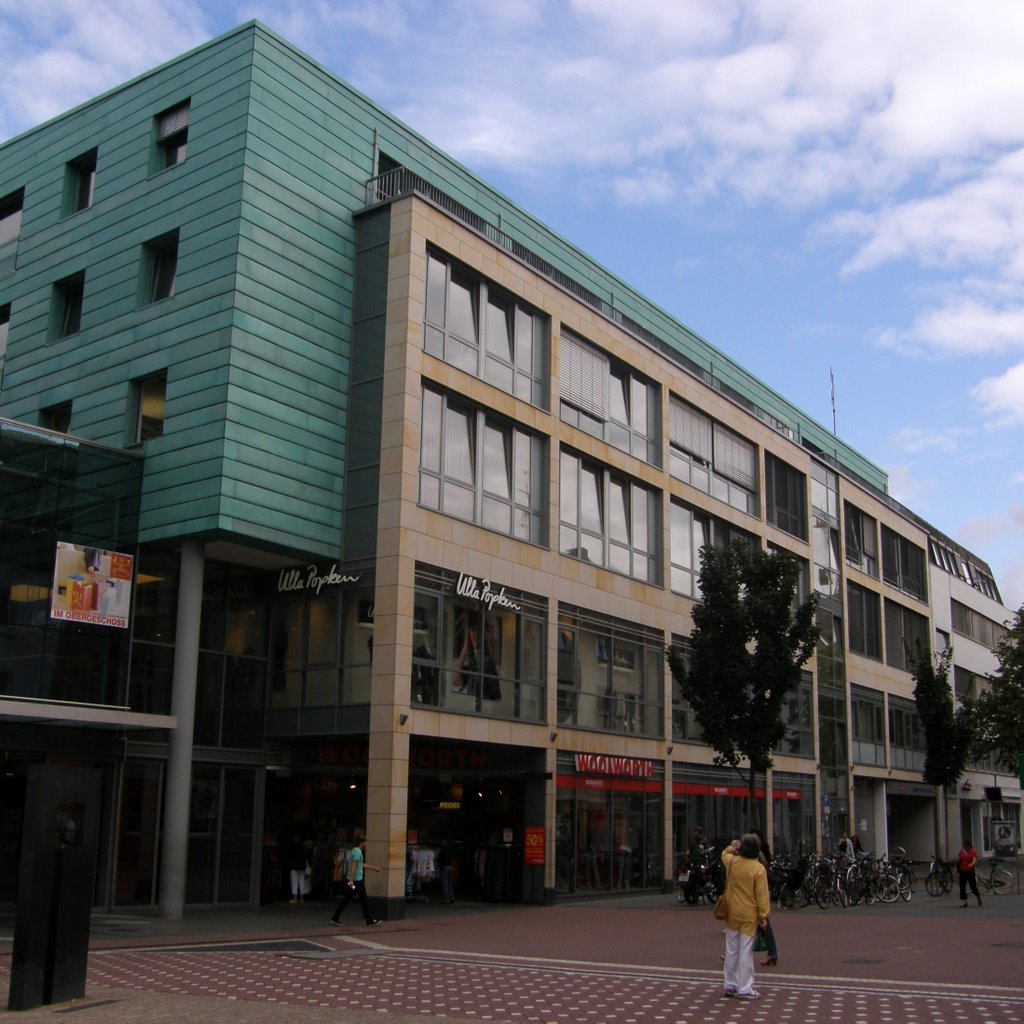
(357, 884)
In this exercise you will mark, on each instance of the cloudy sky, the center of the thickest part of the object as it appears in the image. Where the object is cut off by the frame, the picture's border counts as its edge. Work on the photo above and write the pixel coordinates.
(822, 191)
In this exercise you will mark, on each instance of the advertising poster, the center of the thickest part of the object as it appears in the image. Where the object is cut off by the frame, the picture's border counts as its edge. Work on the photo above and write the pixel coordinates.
(91, 585)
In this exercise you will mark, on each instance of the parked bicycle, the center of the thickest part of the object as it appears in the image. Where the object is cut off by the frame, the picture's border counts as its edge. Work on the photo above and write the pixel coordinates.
(998, 879)
(941, 877)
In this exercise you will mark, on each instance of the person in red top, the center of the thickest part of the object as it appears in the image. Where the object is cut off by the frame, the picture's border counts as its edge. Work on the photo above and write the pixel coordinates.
(965, 866)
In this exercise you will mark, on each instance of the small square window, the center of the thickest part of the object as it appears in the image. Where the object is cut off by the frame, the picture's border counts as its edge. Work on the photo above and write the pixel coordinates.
(5, 327)
(80, 181)
(10, 229)
(67, 305)
(172, 136)
(151, 395)
(57, 417)
(159, 268)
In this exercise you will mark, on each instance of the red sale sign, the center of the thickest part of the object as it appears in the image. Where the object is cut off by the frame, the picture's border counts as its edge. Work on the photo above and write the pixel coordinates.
(533, 848)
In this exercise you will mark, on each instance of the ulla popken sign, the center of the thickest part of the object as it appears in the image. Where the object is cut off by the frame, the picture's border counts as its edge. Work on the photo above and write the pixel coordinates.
(311, 578)
(603, 764)
(481, 590)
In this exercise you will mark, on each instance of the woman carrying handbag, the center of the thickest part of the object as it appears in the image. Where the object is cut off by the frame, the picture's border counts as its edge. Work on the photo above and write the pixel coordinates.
(747, 908)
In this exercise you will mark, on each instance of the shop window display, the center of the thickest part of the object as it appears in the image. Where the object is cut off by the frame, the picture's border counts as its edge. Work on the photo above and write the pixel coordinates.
(477, 648)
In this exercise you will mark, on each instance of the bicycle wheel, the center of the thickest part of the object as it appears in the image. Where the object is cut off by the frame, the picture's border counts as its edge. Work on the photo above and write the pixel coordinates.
(1002, 881)
(889, 888)
(906, 885)
(933, 884)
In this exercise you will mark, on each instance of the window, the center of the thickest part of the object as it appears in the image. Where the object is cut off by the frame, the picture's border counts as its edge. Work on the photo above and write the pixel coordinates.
(610, 674)
(67, 305)
(80, 182)
(608, 519)
(867, 711)
(798, 716)
(975, 626)
(151, 400)
(172, 136)
(906, 736)
(477, 326)
(684, 722)
(965, 684)
(905, 632)
(861, 540)
(5, 327)
(606, 398)
(903, 564)
(864, 616)
(785, 497)
(57, 417)
(711, 457)
(690, 530)
(479, 468)
(472, 654)
(10, 229)
(159, 267)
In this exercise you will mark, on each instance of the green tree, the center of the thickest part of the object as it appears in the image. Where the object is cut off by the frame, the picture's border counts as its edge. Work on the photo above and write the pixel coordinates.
(745, 655)
(1000, 711)
(948, 729)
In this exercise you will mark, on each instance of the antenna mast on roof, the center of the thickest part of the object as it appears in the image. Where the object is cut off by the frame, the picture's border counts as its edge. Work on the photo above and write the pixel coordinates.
(832, 382)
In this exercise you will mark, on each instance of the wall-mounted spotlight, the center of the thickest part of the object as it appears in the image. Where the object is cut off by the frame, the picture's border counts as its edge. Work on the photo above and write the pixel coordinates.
(402, 719)
(553, 736)
(668, 750)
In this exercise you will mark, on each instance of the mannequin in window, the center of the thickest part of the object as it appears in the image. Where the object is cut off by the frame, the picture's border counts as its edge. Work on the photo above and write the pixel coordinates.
(476, 657)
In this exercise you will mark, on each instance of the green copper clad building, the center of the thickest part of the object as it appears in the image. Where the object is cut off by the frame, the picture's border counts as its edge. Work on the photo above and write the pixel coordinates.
(341, 496)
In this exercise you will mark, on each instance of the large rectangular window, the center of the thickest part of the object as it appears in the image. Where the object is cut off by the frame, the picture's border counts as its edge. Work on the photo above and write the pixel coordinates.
(903, 564)
(798, 716)
(711, 457)
(606, 398)
(977, 627)
(867, 710)
(861, 540)
(477, 467)
(906, 736)
(474, 654)
(690, 531)
(906, 633)
(10, 229)
(610, 674)
(608, 519)
(785, 497)
(865, 621)
(479, 327)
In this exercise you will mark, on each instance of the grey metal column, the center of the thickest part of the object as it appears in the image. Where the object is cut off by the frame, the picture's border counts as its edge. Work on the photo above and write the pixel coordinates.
(178, 787)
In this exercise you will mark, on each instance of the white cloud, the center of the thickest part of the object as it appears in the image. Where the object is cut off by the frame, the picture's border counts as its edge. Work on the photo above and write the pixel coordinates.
(58, 53)
(963, 327)
(1003, 397)
(917, 441)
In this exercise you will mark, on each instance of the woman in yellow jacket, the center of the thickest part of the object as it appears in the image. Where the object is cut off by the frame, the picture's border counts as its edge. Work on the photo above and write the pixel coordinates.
(746, 897)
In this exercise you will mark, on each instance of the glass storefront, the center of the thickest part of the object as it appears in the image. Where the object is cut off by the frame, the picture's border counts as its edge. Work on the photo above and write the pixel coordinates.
(609, 824)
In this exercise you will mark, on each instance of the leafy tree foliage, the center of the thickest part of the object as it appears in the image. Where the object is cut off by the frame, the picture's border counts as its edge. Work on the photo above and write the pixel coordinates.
(948, 730)
(1000, 711)
(746, 651)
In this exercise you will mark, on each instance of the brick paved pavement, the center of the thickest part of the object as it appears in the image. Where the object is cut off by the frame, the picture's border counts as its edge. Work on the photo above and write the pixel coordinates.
(642, 960)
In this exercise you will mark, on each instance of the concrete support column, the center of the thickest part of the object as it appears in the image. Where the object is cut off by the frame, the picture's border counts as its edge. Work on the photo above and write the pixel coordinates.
(178, 785)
